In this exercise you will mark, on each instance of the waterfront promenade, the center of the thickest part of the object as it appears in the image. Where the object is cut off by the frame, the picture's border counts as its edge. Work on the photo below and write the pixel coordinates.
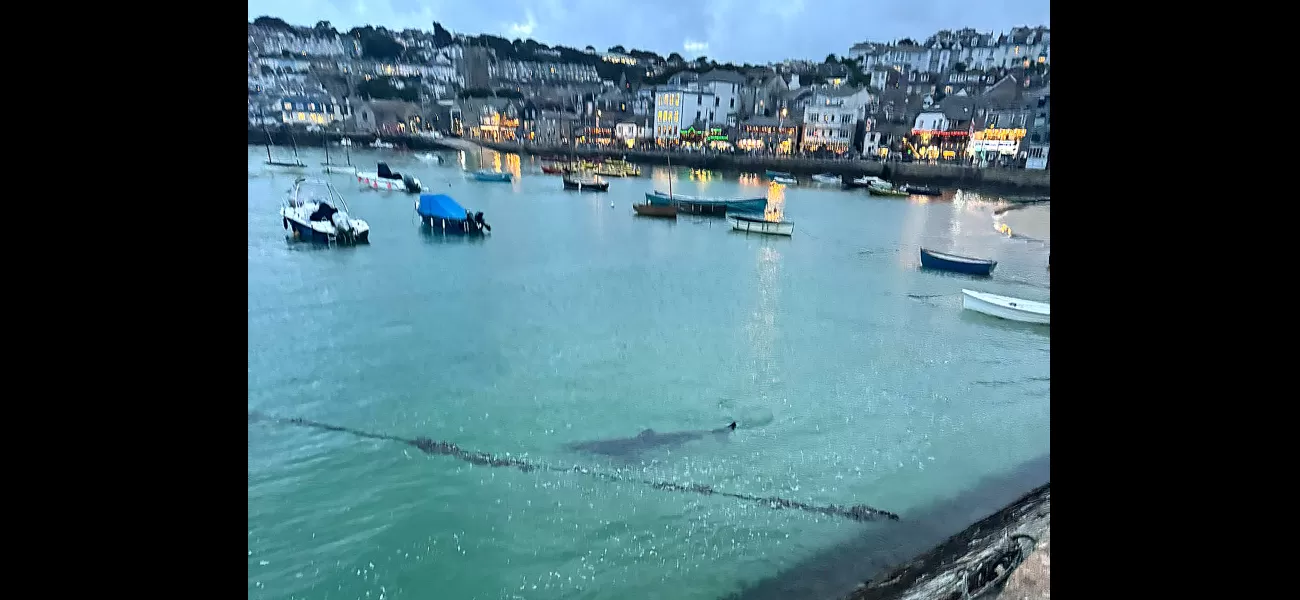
(1010, 181)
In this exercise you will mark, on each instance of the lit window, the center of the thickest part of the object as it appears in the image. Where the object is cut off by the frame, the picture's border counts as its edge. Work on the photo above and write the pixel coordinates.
(311, 106)
(288, 106)
(302, 117)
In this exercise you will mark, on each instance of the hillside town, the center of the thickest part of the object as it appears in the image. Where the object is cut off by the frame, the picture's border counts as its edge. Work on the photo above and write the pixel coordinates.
(966, 97)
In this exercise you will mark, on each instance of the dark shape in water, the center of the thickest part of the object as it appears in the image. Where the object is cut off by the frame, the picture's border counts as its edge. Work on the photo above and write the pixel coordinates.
(623, 447)
(857, 512)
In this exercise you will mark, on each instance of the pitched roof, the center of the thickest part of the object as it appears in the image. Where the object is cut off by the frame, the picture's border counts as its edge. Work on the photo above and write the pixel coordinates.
(721, 75)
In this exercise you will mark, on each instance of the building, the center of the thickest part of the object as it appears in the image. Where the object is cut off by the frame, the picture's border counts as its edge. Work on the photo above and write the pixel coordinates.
(831, 118)
(493, 119)
(388, 116)
(942, 131)
(269, 42)
(762, 93)
(1040, 133)
(474, 66)
(312, 110)
(767, 134)
(555, 128)
(517, 71)
(679, 109)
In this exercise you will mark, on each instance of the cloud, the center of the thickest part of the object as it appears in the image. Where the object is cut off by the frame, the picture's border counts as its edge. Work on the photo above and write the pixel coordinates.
(696, 47)
(525, 29)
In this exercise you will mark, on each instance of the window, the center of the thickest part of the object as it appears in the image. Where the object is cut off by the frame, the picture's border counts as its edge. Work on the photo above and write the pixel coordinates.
(288, 106)
(311, 106)
(733, 103)
(302, 117)
(697, 115)
(947, 89)
(845, 119)
(699, 100)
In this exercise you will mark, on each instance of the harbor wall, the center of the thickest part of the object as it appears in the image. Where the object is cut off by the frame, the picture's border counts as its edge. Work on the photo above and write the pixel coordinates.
(1002, 180)
(1022, 181)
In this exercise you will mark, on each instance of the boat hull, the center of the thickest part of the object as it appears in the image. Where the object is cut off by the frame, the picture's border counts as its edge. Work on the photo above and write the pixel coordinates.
(875, 191)
(706, 206)
(663, 211)
(825, 179)
(771, 173)
(1006, 307)
(451, 226)
(586, 187)
(375, 182)
(923, 191)
(493, 177)
(785, 228)
(969, 266)
(554, 170)
(785, 180)
(307, 233)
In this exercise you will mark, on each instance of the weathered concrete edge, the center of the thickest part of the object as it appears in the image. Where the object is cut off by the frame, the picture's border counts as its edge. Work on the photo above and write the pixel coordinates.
(934, 574)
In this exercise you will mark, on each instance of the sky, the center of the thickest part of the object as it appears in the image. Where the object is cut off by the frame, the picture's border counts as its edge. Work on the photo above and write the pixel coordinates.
(737, 31)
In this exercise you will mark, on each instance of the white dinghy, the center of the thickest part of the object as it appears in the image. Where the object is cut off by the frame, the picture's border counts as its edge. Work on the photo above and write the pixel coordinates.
(1006, 307)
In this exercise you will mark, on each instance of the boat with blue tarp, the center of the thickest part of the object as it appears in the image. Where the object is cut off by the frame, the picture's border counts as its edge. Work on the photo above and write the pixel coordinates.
(440, 212)
(942, 261)
(695, 205)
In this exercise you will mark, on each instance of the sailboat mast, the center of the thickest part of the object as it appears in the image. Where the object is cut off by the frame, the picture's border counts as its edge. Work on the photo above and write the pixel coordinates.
(670, 176)
(268, 143)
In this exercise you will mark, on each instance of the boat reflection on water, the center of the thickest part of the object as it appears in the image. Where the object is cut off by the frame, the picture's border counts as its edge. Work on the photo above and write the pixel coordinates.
(434, 236)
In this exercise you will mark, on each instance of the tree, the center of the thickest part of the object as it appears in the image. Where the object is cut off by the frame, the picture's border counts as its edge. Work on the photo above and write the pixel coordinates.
(675, 57)
(959, 67)
(590, 48)
(441, 37)
(272, 23)
(907, 42)
(830, 59)
(617, 50)
(267, 70)
(324, 27)
(382, 88)
(379, 46)
(701, 61)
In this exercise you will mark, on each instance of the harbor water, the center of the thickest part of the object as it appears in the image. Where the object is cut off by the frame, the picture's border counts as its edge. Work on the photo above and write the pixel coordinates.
(854, 378)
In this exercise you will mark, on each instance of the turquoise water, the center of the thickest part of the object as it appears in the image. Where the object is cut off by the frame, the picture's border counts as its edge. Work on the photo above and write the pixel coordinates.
(855, 378)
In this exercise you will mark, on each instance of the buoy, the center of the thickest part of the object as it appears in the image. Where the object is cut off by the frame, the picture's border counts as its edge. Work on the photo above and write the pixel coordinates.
(611, 204)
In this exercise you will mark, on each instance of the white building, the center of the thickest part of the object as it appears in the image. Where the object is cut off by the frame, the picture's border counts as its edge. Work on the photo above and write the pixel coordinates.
(270, 42)
(724, 90)
(832, 116)
(677, 109)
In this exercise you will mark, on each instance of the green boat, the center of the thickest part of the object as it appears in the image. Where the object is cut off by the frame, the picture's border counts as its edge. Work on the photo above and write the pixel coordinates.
(879, 190)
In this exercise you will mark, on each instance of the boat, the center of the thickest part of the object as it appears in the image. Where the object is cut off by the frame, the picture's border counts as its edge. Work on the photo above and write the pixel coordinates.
(316, 212)
(589, 183)
(771, 173)
(865, 181)
(1006, 307)
(490, 175)
(617, 168)
(942, 261)
(345, 142)
(645, 209)
(330, 167)
(785, 180)
(296, 164)
(708, 206)
(555, 169)
(386, 179)
(920, 190)
(429, 157)
(826, 178)
(750, 224)
(608, 171)
(880, 190)
(381, 144)
(440, 212)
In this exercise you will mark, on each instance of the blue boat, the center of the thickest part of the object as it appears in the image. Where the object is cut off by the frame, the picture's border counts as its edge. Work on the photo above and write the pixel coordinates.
(708, 206)
(771, 173)
(490, 175)
(440, 213)
(941, 261)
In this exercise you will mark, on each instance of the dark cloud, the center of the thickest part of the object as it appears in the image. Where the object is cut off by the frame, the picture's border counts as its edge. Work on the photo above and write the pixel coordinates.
(734, 30)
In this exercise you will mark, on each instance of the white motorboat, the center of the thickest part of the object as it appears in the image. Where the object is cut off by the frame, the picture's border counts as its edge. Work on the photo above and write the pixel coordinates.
(826, 178)
(382, 145)
(316, 212)
(386, 179)
(870, 180)
(345, 142)
(782, 179)
(749, 224)
(1006, 307)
